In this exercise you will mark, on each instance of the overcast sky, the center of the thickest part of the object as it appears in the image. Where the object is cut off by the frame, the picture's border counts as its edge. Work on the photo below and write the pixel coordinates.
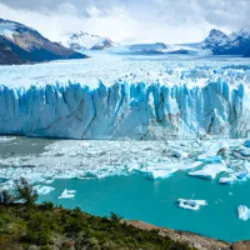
(126, 21)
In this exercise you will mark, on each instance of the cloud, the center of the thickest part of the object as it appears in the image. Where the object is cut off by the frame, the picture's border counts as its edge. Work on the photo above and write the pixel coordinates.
(170, 21)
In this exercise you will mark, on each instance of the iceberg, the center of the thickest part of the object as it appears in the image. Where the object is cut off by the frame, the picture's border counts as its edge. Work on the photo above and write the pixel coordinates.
(228, 179)
(191, 204)
(160, 174)
(243, 212)
(67, 194)
(210, 171)
(209, 159)
(247, 143)
(43, 190)
(179, 153)
(141, 100)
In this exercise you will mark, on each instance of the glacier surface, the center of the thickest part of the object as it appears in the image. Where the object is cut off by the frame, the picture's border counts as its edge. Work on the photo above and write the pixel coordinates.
(126, 99)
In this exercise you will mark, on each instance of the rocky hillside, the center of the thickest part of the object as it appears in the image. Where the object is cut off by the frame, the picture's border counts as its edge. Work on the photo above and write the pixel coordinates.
(85, 41)
(21, 44)
(238, 43)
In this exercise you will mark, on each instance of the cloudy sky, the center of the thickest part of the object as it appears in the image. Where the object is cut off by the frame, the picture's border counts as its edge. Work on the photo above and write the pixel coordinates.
(127, 21)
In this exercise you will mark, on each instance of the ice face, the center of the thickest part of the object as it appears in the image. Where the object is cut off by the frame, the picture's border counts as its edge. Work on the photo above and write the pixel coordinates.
(139, 100)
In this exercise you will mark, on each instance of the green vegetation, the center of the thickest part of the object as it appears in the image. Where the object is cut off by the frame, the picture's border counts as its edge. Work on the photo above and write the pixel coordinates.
(45, 227)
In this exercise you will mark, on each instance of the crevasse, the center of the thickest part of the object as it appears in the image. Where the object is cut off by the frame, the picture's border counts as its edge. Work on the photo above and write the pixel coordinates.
(126, 111)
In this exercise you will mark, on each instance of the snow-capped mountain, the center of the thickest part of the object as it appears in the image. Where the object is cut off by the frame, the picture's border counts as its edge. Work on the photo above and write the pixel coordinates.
(22, 44)
(238, 43)
(85, 41)
(215, 38)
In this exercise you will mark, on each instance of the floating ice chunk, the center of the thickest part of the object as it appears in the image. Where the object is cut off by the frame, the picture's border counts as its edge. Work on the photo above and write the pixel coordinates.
(243, 212)
(179, 153)
(194, 165)
(245, 152)
(242, 175)
(6, 138)
(247, 144)
(7, 185)
(228, 180)
(214, 149)
(209, 159)
(191, 204)
(165, 170)
(49, 181)
(43, 190)
(210, 171)
(160, 174)
(67, 194)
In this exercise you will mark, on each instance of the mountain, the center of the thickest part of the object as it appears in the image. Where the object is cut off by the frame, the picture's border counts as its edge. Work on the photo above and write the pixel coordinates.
(21, 44)
(238, 43)
(7, 56)
(215, 38)
(85, 41)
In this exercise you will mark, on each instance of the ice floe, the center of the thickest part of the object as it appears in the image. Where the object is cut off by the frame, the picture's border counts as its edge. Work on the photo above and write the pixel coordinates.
(210, 171)
(6, 138)
(243, 212)
(43, 190)
(247, 144)
(100, 159)
(191, 204)
(67, 194)
(228, 179)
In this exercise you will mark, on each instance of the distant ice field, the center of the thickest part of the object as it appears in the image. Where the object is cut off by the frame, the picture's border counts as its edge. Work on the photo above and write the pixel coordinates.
(110, 69)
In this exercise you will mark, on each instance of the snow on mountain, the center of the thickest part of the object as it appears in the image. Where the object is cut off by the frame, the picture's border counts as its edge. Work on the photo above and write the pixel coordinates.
(85, 41)
(137, 99)
(215, 38)
(237, 43)
(21, 44)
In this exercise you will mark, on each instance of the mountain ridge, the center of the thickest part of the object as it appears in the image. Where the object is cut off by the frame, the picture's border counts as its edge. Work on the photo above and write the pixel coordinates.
(86, 41)
(21, 44)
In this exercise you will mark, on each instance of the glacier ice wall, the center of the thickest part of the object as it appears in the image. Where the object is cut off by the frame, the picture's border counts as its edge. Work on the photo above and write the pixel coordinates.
(126, 111)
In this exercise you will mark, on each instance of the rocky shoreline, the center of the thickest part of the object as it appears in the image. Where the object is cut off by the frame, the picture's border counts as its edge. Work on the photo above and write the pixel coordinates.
(193, 240)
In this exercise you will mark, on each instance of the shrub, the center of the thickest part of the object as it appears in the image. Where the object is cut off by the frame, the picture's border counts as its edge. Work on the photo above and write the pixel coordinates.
(6, 198)
(39, 230)
(25, 191)
(48, 205)
(115, 217)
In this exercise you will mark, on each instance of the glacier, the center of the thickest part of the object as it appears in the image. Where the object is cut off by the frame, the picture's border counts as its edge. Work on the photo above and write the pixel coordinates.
(136, 100)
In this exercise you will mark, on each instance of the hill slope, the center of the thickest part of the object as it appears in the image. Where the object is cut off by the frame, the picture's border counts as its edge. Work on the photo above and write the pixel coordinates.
(21, 44)
(238, 43)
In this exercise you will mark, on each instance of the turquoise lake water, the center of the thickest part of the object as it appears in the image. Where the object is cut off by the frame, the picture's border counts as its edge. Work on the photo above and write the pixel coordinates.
(135, 197)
